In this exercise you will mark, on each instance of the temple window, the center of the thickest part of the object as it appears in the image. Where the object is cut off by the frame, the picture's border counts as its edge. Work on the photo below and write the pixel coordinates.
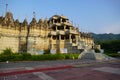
(67, 27)
(73, 37)
(63, 20)
(58, 20)
(54, 29)
(62, 37)
(55, 21)
(54, 37)
(67, 37)
(57, 37)
(60, 27)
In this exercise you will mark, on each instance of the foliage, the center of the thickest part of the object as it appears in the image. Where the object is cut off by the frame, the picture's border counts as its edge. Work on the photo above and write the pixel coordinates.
(7, 51)
(8, 55)
(113, 54)
(111, 46)
(97, 50)
(105, 37)
(26, 56)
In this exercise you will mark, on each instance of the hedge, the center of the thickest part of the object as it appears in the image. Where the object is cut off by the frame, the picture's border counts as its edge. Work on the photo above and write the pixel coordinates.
(113, 54)
(29, 57)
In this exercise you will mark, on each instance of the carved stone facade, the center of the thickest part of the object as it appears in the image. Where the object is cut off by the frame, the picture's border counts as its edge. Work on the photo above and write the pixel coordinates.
(57, 34)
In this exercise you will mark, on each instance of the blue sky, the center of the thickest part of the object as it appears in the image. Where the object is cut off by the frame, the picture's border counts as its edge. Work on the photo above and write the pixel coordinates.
(98, 16)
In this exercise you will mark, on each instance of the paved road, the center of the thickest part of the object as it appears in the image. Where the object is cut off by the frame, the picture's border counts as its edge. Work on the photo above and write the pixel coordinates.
(60, 70)
(41, 63)
(18, 64)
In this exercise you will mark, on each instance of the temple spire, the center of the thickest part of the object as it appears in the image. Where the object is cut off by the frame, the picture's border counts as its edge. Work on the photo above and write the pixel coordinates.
(34, 15)
(6, 7)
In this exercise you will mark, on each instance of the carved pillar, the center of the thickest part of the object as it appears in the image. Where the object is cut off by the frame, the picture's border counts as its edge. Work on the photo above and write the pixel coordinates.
(70, 37)
(59, 37)
(64, 27)
(76, 37)
(51, 38)
(61, 20)
(70, 28)
(53, 21)
(56, 28)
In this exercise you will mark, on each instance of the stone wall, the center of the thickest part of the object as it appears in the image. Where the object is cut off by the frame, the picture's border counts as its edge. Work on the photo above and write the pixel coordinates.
(9, 39)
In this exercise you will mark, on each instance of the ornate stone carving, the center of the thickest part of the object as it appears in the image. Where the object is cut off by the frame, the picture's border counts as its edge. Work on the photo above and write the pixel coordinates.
(40, 24)
(24, 24)
(17, 24)
(33, 23)
(9, 19)
(45, 24)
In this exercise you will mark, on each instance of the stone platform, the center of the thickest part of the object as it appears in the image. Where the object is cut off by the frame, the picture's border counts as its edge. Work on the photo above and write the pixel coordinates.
(90, 54)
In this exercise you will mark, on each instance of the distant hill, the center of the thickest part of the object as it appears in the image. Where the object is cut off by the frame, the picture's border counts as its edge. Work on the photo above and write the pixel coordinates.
(103, 37)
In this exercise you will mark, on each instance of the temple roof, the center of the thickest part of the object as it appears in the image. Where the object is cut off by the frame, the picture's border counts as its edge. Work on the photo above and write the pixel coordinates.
(58, 16)
(25, 23)
(9, 15)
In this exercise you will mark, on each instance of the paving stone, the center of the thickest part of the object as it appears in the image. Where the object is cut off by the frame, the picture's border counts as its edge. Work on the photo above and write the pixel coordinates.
(109, 69)
(43, 76)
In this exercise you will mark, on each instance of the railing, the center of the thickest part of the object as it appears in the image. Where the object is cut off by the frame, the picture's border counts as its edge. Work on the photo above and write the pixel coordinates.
(53, 33)
(61, 32)
(72, 31)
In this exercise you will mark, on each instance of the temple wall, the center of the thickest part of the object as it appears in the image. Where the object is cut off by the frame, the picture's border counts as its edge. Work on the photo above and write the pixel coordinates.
(9, 39)
(10, 42)
(37, 40)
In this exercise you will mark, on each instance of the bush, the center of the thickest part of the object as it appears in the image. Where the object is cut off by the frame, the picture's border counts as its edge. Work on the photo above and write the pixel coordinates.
(17, 58)
(113, 54)
(36, 57)
(76, 55)
(3, 58)
(69, 56)
(60, 56)
(7, 51)
(26, 56)
(8, 55)
(97, 50)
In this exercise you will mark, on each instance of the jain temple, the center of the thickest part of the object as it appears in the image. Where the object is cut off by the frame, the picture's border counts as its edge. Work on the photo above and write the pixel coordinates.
(56, 34)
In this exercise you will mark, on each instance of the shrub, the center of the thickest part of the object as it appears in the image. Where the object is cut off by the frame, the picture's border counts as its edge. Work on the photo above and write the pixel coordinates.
(69, 56)
(76, 55)
(60, 56)
(113, 54)
(8, 55)
(3, 58)
(36, 57)
(7, 51)
(97, 50)
(26, 56)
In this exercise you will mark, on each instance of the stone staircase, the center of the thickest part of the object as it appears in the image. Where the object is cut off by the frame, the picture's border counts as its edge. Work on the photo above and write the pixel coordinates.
(76, 48)
(90, 54)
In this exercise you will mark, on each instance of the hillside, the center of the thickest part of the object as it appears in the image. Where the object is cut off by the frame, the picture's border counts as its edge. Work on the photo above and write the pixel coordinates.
(104, 37)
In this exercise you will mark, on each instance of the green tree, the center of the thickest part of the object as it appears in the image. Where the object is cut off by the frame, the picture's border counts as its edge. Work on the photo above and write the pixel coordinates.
(110, 46)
